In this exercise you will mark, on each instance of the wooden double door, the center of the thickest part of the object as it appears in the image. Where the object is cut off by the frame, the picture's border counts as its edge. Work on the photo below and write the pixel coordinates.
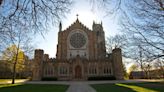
(78, 72)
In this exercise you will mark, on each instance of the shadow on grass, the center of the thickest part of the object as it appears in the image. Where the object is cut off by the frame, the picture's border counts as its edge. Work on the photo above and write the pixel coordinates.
(130, 87)
(33, 88)
(111, 88)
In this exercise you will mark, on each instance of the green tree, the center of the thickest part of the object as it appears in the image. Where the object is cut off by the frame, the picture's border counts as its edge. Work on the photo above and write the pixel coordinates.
(12, 54)
(126, 75)
(133, 67)
(20, 41)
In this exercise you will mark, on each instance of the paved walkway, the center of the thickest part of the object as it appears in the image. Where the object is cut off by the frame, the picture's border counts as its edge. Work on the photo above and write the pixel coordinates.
(80, 87)
(9, 81)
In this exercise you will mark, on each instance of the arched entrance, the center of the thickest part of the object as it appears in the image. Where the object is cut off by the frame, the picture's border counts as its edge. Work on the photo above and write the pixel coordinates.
(78, 72)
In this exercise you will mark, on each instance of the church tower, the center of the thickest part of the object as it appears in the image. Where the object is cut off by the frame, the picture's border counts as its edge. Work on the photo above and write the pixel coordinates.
(117, 63)
(38, 64)
(100, 40)
(59, 45)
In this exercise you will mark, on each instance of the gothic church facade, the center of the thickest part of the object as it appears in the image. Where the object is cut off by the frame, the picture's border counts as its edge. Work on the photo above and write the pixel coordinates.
(81, 54)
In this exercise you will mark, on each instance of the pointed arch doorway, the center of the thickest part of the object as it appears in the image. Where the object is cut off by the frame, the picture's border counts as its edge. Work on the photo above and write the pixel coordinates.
(78, 72)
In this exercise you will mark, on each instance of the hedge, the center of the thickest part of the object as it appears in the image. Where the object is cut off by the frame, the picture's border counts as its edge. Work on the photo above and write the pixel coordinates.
(49, 79)
(102, 78)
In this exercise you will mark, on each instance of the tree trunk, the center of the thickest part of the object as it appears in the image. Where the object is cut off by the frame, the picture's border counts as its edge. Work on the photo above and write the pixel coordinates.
(14, 73)
(14, 67)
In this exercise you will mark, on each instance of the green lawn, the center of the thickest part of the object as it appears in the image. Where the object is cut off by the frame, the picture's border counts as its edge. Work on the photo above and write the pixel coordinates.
(32, 88)
(130, 87)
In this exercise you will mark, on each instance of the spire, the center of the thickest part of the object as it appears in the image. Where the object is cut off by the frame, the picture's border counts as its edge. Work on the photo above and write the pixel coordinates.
(60, 26)
(93, 22)
(101, 23)
(77, 17)
(93, 25)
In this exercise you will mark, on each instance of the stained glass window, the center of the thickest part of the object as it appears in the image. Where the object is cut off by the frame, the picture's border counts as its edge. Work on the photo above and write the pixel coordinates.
(77, 40)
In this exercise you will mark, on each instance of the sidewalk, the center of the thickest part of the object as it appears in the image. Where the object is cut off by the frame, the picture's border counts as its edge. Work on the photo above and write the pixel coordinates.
(8, 81)
(80, 87)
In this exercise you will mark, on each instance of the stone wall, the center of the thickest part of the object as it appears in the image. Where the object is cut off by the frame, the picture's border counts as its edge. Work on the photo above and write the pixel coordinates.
(117, 64)
(38, 64)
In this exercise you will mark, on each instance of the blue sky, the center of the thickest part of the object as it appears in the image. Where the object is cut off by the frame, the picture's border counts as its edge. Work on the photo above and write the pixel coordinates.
(86, 16)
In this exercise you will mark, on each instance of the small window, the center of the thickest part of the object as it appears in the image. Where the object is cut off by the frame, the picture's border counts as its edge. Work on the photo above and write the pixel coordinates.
(98, 33)
(107, 70)
(92, 70)
(84, 54)
(63, 70)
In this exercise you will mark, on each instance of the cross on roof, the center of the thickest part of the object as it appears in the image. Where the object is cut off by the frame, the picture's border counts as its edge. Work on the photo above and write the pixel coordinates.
(77, 15)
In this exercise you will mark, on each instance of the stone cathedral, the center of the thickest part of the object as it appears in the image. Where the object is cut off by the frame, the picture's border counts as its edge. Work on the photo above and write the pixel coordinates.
(81, 54)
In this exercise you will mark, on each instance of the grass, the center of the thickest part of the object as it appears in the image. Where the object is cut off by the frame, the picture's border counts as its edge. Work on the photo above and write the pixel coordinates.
(130, 87)
(33, 88)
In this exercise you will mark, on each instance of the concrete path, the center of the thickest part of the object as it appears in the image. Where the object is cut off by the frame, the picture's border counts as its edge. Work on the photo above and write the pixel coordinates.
(80, 87)
(9, 81)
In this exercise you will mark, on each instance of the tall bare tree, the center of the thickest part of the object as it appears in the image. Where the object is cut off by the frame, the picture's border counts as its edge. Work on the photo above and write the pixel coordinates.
(19, 36)
(36, 15)
(20, 19)
(117, 41)
(159, 65)
(146, 26)
(142, 21)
